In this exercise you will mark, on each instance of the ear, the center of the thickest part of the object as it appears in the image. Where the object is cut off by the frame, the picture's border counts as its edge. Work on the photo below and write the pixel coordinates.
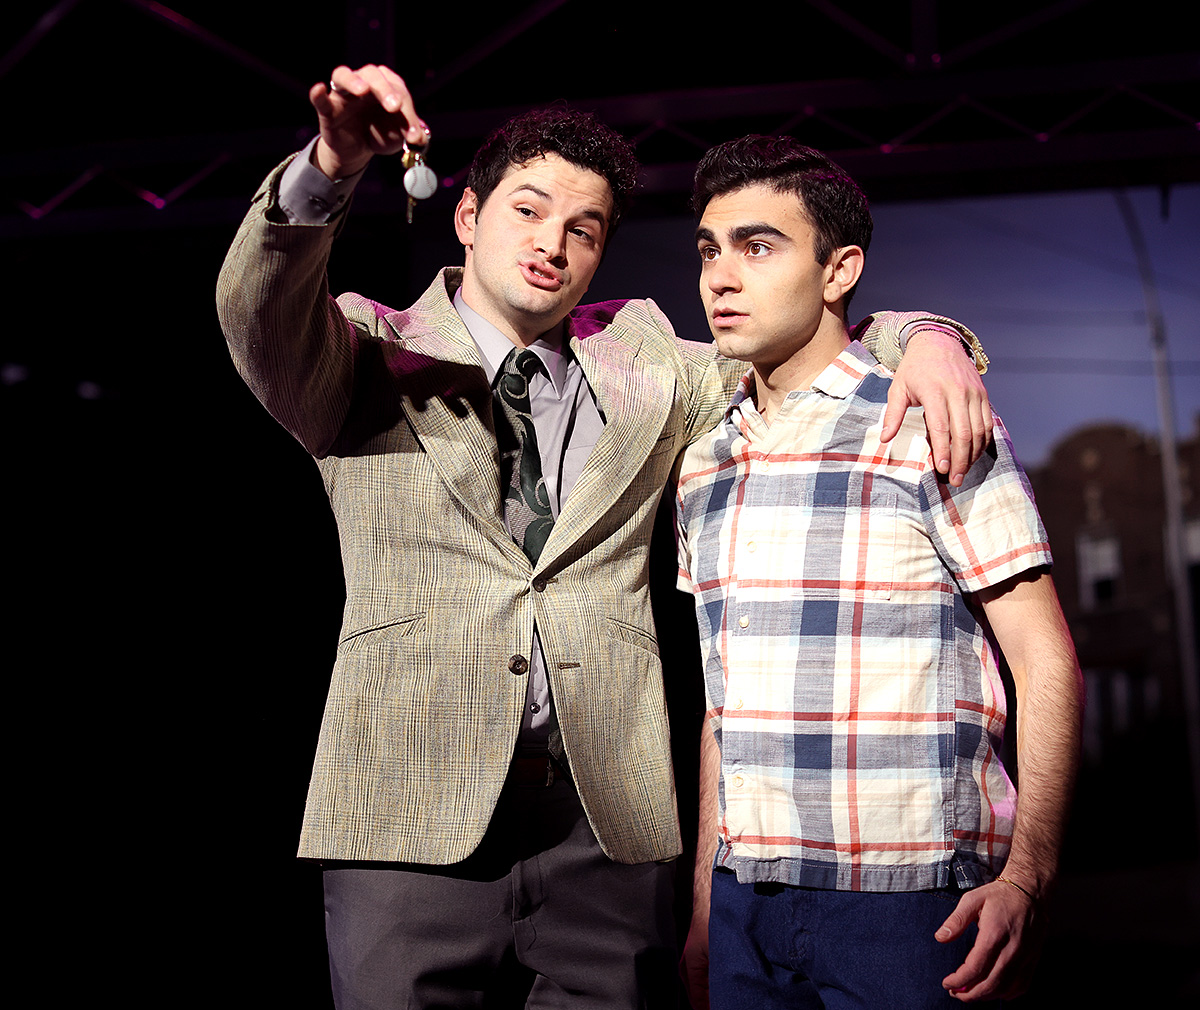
(842, 272)
(464, 217)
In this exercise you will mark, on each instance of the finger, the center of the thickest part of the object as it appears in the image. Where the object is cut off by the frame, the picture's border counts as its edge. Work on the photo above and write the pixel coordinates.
(1013, 979)
(985, 423)
(330, 100)
(979, 433)
(981, 424)
(978, 974)
(898, 402)
(998, 981)
(417, 132)
(975, 970)
(961, 443)
(399, 121)
(388, 88)
(349, 82)
(965, 913)
(937, 426)
(379, 86)
(318, 96)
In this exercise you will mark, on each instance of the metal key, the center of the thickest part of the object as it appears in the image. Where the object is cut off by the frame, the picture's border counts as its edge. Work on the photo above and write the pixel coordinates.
(420, 182)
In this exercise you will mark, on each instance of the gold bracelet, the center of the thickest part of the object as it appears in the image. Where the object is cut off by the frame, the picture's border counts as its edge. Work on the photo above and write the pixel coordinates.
(1013, 883)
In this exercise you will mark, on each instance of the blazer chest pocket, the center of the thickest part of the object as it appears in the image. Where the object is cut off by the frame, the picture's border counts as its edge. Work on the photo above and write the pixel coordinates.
(374, 662)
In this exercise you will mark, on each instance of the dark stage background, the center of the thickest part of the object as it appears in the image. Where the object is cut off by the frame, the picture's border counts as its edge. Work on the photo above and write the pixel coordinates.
(174, 580)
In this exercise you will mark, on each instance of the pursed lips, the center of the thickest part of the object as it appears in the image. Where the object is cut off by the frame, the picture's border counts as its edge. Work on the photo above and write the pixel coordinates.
(542, 276)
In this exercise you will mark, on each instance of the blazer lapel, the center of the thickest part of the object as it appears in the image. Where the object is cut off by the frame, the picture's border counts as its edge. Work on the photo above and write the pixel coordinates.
(636, 398)
(447, 400)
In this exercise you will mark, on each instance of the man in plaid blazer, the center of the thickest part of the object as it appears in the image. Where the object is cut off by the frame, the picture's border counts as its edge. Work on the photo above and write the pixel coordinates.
(482, 836)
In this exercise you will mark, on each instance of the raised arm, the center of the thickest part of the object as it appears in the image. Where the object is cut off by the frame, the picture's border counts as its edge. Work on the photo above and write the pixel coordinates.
(289, 340)
(1025, 616)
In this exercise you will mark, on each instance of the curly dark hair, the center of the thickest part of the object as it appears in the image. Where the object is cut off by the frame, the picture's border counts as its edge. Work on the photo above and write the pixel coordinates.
(833, 203)
(577, 137)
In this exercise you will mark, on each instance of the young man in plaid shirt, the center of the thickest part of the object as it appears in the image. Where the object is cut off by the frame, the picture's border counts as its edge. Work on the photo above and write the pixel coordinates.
(870, 848)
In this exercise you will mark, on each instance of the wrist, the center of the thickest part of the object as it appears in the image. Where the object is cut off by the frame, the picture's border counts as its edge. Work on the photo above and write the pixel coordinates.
(1035, 886)
(938, 331)
(334, 166)
(938, 334)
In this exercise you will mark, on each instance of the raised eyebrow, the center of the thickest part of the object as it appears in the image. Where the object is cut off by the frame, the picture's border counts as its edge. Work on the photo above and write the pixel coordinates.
(590, 214)
(527, 187)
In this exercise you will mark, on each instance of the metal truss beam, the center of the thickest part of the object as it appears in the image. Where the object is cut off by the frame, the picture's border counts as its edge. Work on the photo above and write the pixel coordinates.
(1080, 147)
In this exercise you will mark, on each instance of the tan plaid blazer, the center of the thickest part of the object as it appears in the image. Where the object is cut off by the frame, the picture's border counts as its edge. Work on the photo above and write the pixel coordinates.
(423, 711)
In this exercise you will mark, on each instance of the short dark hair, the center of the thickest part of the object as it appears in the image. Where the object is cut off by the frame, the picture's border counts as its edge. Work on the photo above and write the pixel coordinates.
(833, 203)
(577, 137)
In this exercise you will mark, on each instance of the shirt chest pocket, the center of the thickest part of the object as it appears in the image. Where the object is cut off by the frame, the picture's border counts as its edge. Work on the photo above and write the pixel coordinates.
(850, 544)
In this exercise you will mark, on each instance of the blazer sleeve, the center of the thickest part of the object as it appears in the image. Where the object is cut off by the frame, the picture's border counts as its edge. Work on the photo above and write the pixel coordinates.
(290, 342)
(712, 380)
(885, 335)
(709, 380)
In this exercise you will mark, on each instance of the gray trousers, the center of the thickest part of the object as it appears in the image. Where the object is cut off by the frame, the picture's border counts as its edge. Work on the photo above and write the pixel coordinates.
(536, 917)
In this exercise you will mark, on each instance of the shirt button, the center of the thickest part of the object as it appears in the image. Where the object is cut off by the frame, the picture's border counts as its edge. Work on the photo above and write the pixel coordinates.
(738, 704)
(766, 464)
(744, 621)
(539, 585)
(738, 781)
(751, 546)
(518, 665)
(535, 708)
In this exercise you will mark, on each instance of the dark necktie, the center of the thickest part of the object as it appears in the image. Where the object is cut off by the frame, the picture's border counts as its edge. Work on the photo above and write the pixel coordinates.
(526, 500)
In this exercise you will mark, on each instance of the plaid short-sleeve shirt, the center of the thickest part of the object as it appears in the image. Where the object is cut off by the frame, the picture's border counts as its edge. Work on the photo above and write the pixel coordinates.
(854, 692)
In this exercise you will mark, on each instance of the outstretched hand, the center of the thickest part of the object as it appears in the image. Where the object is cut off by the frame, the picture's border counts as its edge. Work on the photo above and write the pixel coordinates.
(937, 375)
(362, 113)
(1001, 961)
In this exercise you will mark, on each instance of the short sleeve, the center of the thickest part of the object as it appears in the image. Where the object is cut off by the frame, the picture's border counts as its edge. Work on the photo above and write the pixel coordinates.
(987, 530)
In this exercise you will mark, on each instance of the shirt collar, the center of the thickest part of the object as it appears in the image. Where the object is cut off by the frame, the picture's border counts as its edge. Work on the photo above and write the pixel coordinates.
(839, 379)
(494, 346)
(745, 391)
(843, 375)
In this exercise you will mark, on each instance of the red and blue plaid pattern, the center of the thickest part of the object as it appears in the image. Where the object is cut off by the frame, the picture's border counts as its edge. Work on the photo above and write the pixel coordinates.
(854, 692)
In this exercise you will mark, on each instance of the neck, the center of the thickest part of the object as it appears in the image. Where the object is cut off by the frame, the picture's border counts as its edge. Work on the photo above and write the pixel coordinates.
(521, 331)
(774, 380)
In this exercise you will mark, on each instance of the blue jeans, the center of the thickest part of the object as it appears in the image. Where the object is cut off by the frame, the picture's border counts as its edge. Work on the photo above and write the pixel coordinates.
(775, 946)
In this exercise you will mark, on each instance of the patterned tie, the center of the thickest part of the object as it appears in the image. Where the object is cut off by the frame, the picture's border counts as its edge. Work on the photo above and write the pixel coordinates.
(526, 500)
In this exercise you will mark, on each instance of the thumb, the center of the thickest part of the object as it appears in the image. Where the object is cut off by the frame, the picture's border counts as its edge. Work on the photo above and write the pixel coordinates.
(965, 912)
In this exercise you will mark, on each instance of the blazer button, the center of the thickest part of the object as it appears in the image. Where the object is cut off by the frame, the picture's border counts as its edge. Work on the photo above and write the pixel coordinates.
(539, 585)
(518, 665)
